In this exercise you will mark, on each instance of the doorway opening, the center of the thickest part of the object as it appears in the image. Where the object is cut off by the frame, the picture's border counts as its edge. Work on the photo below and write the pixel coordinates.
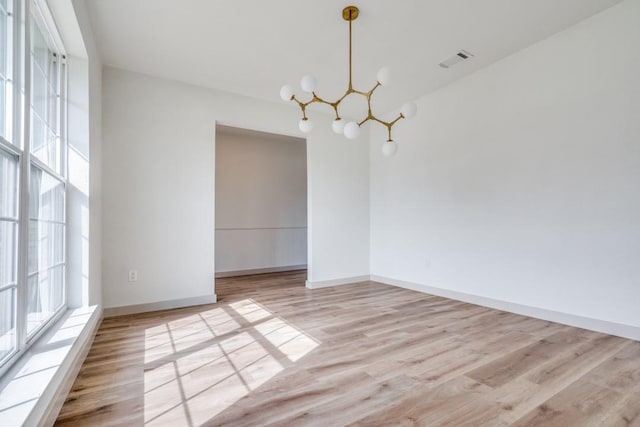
(260, 203)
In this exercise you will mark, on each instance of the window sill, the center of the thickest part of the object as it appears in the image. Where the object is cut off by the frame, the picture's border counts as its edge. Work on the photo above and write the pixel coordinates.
(34, 389)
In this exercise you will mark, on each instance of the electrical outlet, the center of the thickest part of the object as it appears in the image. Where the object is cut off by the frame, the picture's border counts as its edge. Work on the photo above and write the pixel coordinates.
(133, 275)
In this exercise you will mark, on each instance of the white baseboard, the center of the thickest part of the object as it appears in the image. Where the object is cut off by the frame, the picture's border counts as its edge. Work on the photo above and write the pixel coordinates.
(160, 305)
(251, 271)
(335, 282)
(598, 325)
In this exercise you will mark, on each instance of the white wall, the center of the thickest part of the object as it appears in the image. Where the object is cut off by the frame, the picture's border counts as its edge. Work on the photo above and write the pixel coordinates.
(521, 182)
(261, 200)
(158, 183)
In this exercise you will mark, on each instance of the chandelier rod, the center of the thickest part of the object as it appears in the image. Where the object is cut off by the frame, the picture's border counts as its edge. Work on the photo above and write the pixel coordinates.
(351, 18)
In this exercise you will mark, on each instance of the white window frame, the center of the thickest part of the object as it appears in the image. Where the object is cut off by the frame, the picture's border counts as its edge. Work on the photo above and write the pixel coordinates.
(21, 146)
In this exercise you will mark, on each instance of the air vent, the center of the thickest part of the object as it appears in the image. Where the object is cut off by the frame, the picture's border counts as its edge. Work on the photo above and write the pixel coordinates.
(463, 55)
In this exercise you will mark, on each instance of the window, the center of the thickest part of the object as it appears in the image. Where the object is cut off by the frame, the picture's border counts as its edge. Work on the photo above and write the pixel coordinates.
(33, 151)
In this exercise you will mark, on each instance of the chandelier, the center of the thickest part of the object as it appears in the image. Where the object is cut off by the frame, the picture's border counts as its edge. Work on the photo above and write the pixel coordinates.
(351, 130)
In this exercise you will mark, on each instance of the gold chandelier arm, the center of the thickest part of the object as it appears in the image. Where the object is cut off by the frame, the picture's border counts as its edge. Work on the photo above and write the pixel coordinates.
(347, 93)
(400, 116)
(375, 119)
(316, 98)
(293, 98)
(391, 123)
(335, 108)
(366, 120)
(388, 125)
(334, 105)
(367, 94)
(303, 105)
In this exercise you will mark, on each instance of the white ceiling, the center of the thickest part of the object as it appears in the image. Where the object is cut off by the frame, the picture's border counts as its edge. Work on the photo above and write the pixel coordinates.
(253, 47)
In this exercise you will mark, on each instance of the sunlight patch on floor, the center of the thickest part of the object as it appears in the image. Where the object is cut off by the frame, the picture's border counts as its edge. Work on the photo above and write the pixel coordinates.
(199, 365)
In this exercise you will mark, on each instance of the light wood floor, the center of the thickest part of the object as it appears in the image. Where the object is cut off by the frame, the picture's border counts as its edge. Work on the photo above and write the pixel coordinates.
(274, 353)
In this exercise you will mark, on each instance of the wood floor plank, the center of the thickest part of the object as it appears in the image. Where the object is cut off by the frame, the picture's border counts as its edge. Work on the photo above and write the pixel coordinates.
(355, 404)
(520, 362)
(582, 403)
(620, 372)
(272, 352)
(426, 406)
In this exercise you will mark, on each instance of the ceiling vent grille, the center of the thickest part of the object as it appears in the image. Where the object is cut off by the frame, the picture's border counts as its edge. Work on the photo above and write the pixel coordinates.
(462, 55)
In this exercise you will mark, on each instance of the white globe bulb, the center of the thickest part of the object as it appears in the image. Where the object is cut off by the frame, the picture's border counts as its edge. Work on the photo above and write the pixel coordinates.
(338, 126)
(389, 148)
(305, 125)
(409, 109)
(384, 76)
(351, 130)
(286, 92)
(308, 83)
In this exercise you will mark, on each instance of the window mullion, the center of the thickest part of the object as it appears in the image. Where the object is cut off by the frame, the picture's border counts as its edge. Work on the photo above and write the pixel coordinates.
(9, 286)
(42, 165)
(62, 120)
(23, 106)
(10, 77)
(7, 146)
